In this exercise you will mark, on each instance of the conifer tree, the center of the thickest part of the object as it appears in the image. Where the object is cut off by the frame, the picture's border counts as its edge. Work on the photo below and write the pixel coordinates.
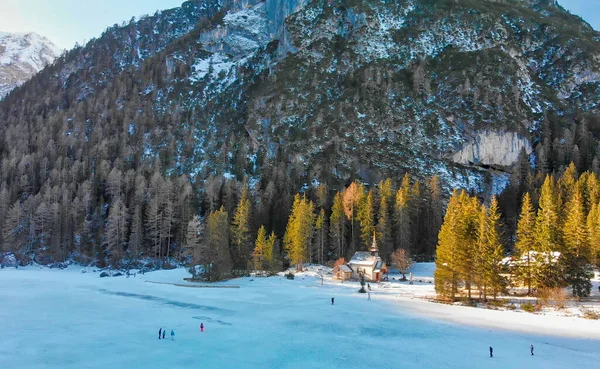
(384, 231)
(365, 218)
(321, 228)
(351, 197)
(402, 215)
(525, 267)
(260, 249)
(547, 230)
(577, 247)
(467, 233)
(337, 226)
(446, 275)
(240, 231)
(299, 231)
(192, 238)
(593, 225)
(493, 251)
(217, 257)
(115, 231)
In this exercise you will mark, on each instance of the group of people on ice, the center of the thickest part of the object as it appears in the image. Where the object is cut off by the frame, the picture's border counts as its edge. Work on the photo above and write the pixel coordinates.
(163, 332)
(492, 350)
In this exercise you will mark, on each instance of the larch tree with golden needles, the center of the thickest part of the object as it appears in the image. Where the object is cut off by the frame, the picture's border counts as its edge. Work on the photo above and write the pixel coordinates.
(351, 197)
(446, 274)
(365, 218)
(299, 231)
(337, 226)
(402, 215)
(526, 266)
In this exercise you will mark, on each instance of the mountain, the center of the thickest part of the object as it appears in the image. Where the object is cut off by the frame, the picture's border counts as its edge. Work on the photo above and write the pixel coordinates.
(21, 56)
(282, 95)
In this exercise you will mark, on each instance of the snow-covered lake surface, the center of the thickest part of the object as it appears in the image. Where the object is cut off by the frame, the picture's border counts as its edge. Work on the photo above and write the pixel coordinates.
(66, 319)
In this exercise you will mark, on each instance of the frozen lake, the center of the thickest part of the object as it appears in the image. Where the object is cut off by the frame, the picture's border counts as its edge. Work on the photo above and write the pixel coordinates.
(66, 319)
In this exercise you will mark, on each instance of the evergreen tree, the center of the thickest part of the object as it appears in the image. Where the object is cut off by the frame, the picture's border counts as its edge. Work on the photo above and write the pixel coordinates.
(493, 251)
(116, 231)
(446, 275)
(192, 239)
(365, 218)
(547, 230)
(467, 233)
(260, 249)
(402, 216)
(321, 228)
(299, 231)
(577, 247)
(526, 265)
(351, 197)
(337, 226)
(215, 255)
(240, 231)
(384, 230)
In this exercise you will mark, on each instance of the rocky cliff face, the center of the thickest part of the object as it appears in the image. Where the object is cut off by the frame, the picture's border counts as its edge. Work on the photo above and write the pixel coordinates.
(22, 56)
(336, 89)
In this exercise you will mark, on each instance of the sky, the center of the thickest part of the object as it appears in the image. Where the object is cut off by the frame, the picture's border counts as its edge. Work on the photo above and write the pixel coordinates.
(65, 22)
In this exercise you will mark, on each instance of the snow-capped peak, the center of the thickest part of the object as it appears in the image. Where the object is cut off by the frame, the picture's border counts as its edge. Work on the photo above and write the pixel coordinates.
(21, 56)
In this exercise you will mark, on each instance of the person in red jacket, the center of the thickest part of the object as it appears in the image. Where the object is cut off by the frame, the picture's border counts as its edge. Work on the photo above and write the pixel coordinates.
(201, 327)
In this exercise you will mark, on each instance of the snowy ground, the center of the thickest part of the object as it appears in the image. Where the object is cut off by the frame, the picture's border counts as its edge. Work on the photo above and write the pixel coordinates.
(66, 319)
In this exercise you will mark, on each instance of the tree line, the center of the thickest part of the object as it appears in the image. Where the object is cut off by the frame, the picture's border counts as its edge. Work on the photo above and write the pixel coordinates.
(321, 227)
(557, 240)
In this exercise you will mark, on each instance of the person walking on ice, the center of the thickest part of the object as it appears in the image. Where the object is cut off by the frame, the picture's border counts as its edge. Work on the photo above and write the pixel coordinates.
(491, 352)
(531, 348)
(172, 335)
(159, 333)
(164, 333)
(201, 327)
(332, 300)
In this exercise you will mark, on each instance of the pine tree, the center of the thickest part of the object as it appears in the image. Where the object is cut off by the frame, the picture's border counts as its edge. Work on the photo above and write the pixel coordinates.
(577, 247)
(593, 225)
(547, 234)
(321, 228)
(526, 244)
(402, 216)
(240, 231)
(217, 255)
(446, 275)
(136, 237)
(365, 218)
(467, 233)
(351, 197)
(192, 239)
(493, 251)
(299, 231)
(337, 226)
(384, 230)
(260, 248)
(115, 231)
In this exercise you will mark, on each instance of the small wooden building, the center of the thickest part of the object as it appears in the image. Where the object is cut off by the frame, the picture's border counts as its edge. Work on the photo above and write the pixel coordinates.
(342, 272)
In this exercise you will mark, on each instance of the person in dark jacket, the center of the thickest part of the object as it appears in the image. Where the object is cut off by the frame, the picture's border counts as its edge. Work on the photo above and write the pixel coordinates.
(531, 348)
(164, 333)
(491, 352)
(172, 335)
(159, 333)
(332, 300)
(201, 327)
